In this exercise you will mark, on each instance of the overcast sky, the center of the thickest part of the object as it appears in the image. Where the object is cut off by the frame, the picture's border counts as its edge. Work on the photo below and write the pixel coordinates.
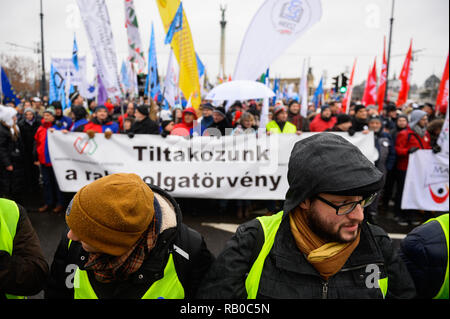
(348, 29)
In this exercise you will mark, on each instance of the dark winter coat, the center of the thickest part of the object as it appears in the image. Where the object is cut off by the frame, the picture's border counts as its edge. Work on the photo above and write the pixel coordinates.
(190, 272)
(288, 275)
(12, 183)
(299, 121)
(424, 251)
(146, 126)
(25, 272)
(386, 149)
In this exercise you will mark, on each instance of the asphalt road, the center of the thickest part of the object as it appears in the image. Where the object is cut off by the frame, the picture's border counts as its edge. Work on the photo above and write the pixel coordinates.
(216, 226)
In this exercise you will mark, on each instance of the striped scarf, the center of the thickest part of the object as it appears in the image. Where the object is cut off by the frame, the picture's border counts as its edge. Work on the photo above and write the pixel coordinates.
(107, 268)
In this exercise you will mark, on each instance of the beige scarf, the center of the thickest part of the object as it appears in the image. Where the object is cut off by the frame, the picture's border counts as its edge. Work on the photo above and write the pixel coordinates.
(326, 258)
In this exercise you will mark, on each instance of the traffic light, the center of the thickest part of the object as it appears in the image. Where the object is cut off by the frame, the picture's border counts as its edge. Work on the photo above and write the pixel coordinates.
(336, 83)
(344, 83)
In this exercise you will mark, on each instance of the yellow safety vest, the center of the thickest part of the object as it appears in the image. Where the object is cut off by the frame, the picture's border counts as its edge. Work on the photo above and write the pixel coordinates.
(9, 217)
(443, 220)
(288, 128)
(168, 287)
(270, 225)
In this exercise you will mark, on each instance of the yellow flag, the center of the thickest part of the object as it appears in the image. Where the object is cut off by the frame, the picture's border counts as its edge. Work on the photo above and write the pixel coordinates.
(183, 48)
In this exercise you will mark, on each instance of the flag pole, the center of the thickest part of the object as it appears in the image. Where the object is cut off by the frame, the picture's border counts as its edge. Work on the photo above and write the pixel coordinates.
(43, 87)
(389, 52)
(180, 35)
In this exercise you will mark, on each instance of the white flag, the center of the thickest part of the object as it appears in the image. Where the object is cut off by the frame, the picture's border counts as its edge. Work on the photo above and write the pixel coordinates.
(303, 94)
(276, 26)
(136, 53)
(427, 182)
(171, 81)
(95, 16)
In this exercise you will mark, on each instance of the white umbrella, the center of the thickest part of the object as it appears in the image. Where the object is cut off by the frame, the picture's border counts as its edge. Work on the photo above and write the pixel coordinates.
(240, 90)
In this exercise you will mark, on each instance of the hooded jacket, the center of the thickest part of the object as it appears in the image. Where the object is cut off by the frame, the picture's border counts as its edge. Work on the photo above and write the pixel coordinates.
(183, 128)
(339, 167)
(322, 163)
(288, 275)
(172, 233)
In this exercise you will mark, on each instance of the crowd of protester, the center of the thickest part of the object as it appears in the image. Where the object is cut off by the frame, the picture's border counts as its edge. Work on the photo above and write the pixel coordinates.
(25, 162)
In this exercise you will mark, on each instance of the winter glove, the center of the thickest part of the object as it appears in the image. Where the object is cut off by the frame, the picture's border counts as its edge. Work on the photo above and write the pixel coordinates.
(90, 133)
(413, 150)
(130, 134)
(108, 134)
(437, 149)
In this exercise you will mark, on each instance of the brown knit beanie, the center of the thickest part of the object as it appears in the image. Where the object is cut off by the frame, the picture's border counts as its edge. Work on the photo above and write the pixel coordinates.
(112, 213)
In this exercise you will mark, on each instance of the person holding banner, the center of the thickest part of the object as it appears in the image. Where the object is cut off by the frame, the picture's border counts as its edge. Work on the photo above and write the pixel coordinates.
(323, 121)
(413, 138)
(319, 246)
(125, 240)
(51, 187)
(100, 123)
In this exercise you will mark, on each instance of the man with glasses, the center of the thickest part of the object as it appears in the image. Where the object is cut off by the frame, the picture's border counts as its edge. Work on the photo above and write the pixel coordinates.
(319, 246)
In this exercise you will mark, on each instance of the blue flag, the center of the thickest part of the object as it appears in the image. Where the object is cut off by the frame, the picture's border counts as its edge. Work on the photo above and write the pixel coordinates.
(276, 90)
(176, 25)
(75, 53)
(9, 95)
(200, 66)
(152, 83)
(52, 88)
(319, 91)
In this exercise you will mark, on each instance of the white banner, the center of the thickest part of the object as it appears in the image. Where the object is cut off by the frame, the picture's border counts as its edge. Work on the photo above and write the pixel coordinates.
(427, 182)
(232, 167)
(276, 25)
(66, 70)
(94, 14)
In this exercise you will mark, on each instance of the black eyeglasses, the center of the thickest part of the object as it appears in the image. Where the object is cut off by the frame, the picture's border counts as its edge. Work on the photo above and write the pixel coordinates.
(347, 208)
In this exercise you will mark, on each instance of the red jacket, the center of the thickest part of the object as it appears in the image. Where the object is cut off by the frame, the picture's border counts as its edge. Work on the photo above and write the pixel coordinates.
(42, 144)
(319, 125)
(407, 139)
(184, 129)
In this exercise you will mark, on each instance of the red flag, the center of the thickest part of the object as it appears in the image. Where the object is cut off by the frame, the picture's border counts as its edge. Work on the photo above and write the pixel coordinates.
(405, 78)
(370, 92)
(348, 94)
(442, 98)
(383, 76)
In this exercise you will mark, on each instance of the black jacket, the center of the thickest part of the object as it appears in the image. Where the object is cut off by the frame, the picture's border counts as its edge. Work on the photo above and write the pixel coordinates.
(190, 272)
(424, 252)
(287, 274)
(25, 272)
(146, 126)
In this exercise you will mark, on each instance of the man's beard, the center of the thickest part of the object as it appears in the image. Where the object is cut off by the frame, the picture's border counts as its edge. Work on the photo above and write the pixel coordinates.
(323, 230)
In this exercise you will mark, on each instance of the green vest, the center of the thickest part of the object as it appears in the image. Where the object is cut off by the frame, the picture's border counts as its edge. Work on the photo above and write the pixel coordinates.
(443, 220)
(168, 287)
(9, 217)
(288, 128)
(270, 225)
